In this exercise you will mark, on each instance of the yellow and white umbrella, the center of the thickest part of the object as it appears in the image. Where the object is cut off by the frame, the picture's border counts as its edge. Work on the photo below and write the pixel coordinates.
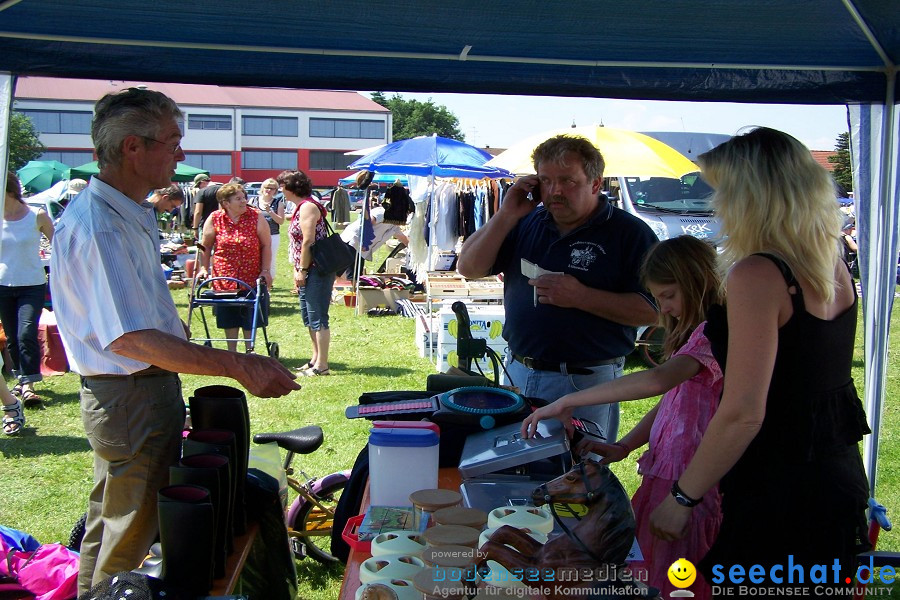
(627, 153)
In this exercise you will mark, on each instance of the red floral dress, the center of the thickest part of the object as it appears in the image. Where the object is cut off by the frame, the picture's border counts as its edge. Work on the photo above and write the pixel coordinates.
(237, 252)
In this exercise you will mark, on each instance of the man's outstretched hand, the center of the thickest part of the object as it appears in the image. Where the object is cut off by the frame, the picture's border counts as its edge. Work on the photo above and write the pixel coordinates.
(264, 376)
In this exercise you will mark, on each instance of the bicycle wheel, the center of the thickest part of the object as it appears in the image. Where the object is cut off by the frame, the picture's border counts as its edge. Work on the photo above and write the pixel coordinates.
(315, 524)
(77, 534)
(651, 346)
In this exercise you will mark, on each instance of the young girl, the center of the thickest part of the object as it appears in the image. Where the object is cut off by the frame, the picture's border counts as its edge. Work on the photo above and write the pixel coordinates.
(681, 274)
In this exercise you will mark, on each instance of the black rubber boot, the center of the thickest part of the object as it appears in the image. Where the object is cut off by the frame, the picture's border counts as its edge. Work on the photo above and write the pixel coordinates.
(224, 407)
(211, 472)
(186, 532)
(221, 442)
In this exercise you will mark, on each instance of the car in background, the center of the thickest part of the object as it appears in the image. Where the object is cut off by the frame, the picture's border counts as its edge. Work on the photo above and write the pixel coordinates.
(356, 198)
(290, 207)
(252, 191)
(53, 208)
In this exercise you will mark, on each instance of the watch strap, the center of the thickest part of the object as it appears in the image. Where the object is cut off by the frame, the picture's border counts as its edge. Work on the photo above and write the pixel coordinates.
(682, 498)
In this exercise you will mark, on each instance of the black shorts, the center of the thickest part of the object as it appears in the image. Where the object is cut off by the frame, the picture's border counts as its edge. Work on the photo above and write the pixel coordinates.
(229, 316)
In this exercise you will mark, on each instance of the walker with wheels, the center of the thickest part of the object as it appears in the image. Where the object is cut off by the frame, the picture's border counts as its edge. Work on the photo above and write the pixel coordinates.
(245, 295)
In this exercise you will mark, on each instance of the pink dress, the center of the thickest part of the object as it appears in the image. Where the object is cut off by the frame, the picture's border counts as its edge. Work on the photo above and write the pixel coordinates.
(684, 413)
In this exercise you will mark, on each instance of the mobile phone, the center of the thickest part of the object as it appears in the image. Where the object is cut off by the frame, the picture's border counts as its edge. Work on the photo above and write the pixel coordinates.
(536, 193)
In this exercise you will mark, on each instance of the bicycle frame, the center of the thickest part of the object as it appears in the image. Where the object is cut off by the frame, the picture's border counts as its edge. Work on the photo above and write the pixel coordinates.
(310, 494)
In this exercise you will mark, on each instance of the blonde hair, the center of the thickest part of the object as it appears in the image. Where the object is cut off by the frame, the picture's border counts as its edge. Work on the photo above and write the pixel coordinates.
(772, 196)
(690, 264)
(269, 181)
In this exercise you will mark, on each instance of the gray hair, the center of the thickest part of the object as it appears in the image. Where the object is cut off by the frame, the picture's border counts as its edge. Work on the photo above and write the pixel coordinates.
(132, 111)
(555, 149)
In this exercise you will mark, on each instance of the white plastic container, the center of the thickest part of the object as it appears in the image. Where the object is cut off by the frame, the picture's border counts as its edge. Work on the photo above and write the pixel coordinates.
(401, 461)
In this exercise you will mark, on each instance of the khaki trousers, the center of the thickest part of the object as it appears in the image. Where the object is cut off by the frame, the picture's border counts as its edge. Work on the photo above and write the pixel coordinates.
(134, 425)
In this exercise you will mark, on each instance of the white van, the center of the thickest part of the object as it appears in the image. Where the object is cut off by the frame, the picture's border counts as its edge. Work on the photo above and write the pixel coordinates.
(671, 207)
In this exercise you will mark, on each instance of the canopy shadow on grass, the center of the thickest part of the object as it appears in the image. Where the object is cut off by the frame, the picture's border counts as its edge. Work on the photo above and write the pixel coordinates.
(51, 445)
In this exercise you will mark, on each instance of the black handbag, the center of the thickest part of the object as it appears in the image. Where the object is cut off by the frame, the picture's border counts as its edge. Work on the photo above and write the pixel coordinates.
(331, 254)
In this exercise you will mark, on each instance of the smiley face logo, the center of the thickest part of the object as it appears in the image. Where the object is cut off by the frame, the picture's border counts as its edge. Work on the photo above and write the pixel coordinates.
(682, 573)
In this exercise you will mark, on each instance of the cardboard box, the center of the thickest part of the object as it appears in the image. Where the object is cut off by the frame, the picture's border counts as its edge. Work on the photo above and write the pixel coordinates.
(485, 323)
(373, 297)
(448, 358)
(370, 297)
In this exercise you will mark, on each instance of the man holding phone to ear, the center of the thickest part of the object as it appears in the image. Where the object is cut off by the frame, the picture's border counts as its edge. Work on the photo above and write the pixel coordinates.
(588, 310)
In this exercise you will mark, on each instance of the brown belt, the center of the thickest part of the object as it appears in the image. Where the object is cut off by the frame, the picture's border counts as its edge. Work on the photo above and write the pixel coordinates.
(150, 371)
(536, 364)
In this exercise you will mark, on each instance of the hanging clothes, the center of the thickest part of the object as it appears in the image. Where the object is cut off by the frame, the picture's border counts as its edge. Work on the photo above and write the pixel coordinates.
(445, 218)
(397, 204)
(340, 205)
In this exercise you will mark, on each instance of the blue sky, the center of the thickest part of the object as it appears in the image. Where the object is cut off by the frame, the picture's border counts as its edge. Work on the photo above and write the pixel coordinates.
(500, 121)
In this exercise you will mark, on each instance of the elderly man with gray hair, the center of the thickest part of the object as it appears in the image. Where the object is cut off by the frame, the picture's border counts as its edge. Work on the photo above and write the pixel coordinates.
(122, 332)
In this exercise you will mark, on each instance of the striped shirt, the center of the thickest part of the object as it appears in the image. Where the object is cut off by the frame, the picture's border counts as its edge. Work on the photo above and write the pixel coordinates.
(106, 279)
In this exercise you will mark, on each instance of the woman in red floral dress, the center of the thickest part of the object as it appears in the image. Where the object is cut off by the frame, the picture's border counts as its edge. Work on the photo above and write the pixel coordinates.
(243, 250)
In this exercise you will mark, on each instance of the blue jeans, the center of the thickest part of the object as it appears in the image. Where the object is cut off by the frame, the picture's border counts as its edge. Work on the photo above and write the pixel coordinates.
(20, 313)
(551, 386)
(315, 299)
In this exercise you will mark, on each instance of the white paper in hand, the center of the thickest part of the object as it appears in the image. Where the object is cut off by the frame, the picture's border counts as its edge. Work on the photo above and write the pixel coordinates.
(532, 271)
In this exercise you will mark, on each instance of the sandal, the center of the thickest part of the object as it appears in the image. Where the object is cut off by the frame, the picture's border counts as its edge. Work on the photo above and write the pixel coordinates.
(314, 372)
(16, 390)
(304, 368)
(29, 398)
(13, 425)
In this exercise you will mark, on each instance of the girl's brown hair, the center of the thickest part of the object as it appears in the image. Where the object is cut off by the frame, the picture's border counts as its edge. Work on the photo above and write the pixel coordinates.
(13, 187)
(690, 264)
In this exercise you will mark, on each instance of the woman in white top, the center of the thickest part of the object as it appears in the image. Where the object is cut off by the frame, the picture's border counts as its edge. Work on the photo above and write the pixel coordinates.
(271, 207)
(22, 283)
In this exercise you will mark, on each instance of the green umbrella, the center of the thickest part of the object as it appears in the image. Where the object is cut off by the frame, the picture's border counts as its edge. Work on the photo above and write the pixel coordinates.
(40, 175)
(183, 172)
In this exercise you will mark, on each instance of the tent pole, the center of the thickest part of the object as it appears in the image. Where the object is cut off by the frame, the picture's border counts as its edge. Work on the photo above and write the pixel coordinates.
(7, 83)
(879, 273)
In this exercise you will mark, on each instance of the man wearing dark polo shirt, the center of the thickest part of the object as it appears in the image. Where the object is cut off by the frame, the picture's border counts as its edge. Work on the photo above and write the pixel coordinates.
(572, 329)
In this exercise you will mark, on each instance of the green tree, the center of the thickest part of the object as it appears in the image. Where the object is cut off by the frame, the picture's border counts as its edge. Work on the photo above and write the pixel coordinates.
(843, 171)
(24, 144)
(412, 118)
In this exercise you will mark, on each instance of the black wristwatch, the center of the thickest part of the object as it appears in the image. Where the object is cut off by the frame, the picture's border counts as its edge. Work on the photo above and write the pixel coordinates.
(682, 498)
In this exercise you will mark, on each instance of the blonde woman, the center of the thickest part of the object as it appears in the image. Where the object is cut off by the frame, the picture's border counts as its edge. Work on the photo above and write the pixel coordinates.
(783, 441)
(271, 205)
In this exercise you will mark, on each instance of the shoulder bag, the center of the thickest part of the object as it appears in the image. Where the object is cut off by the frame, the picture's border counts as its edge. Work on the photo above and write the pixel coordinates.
(331, 254)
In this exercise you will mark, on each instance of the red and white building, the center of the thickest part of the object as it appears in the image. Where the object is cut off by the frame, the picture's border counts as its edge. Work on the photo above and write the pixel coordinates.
(252, 133)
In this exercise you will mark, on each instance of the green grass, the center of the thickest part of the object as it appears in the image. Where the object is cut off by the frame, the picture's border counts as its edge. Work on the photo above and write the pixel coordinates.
(46, 473)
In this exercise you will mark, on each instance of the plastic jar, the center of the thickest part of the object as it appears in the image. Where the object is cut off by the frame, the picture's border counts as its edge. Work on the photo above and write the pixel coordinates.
(401, 461)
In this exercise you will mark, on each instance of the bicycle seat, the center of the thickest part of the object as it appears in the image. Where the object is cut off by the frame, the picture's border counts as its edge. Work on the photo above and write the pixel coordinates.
(299, 441)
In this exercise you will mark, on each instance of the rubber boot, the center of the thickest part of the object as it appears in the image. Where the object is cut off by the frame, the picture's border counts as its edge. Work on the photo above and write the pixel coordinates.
(225, 407)
(186, 531)
(221, 442)
(211, 472)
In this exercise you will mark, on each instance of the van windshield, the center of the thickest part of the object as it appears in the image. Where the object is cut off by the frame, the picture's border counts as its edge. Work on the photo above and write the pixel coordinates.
(688, 194)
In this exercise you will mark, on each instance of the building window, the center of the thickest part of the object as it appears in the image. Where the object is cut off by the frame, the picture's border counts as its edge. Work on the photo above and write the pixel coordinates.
(72, 158)
(346, 128)
(210, 122)
(60, 121)
(265, 159)
(270, 126)
(216, 164)
(322, 160)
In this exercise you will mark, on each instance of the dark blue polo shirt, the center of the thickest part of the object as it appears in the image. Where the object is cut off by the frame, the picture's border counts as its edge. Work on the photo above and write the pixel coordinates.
(604, 253)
